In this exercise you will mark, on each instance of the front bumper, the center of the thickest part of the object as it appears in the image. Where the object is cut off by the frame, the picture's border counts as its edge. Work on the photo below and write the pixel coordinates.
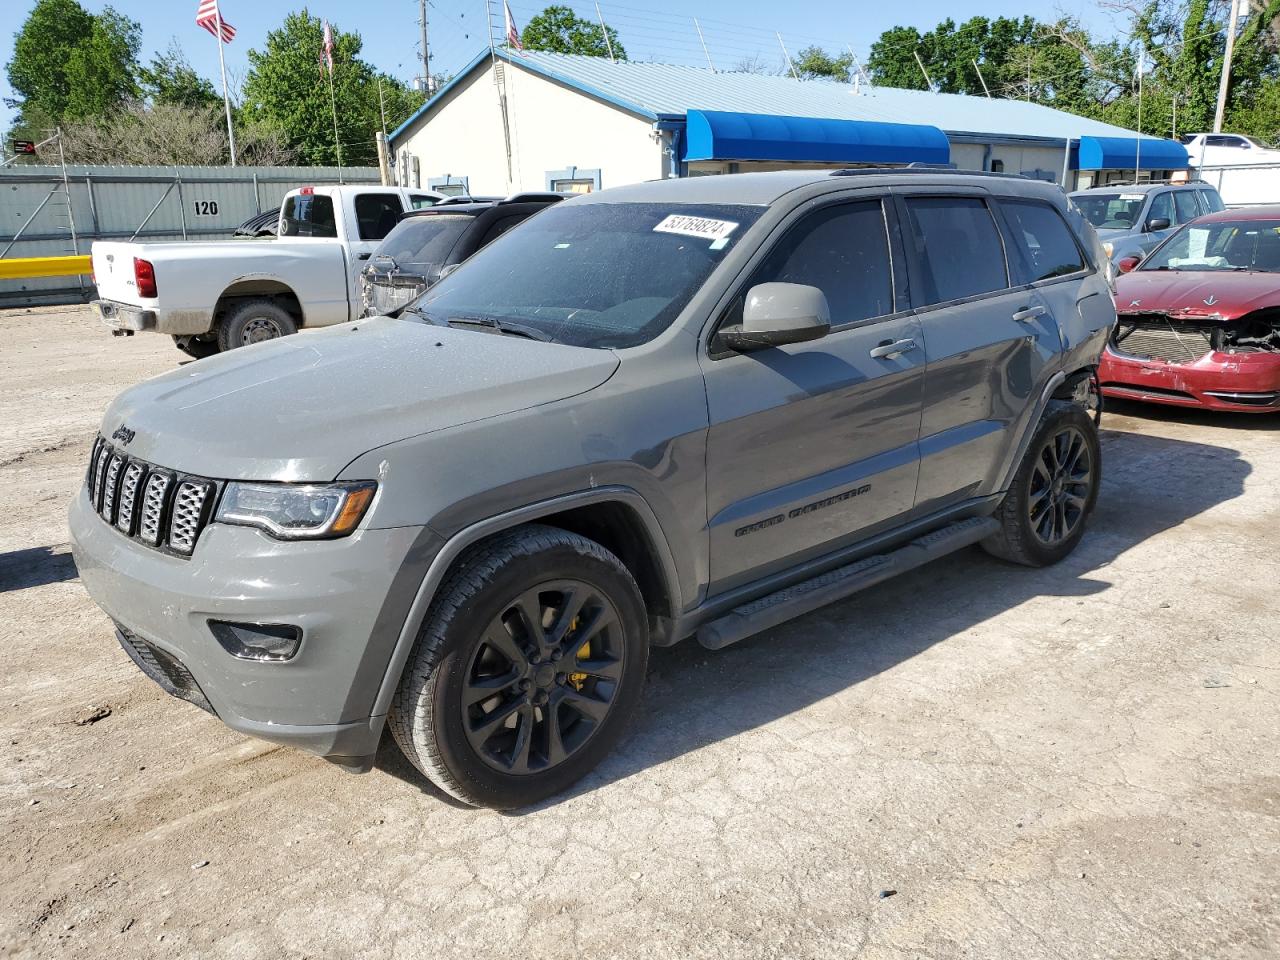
(124, 316)
(349, 596)
(1238, 382)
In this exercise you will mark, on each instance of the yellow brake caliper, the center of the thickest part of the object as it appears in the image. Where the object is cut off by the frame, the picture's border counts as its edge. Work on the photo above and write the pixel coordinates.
(578, 679)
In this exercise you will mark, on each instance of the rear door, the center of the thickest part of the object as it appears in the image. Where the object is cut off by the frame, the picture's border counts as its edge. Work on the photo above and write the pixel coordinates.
(813, 445)
(987, 336)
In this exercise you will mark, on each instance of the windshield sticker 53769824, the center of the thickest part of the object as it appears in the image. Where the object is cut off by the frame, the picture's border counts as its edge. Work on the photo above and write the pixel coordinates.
(704, 228)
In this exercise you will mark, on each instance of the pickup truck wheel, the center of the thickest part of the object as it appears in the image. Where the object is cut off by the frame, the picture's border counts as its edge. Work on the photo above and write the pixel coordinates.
(528, 668)
(197, 346)
(252, 322)
(1043, 515)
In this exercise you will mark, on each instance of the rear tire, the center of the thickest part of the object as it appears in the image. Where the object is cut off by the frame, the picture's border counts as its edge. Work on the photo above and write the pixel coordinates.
(1042, 517)
(527, 671)
(253, 321)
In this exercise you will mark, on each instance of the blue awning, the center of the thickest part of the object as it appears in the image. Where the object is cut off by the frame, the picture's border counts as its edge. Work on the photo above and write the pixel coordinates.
(1124, 153)
(715, 135)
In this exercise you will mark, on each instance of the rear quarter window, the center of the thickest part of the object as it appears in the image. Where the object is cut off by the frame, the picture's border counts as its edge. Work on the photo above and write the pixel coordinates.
(308, 215)
(1046, 243)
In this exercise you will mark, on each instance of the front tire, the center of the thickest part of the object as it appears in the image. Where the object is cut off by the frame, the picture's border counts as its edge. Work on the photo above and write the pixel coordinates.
(528, 669)
(253, 321)
(1042, 517)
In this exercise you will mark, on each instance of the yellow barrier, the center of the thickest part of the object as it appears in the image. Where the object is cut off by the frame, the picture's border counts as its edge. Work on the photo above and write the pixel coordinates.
(24, 268)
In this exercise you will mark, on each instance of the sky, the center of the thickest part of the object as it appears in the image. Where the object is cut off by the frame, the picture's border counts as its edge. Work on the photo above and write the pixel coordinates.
(661, 30)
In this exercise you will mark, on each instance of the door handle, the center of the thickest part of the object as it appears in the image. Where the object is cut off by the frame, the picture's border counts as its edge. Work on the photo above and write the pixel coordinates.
(1029, 313)
(892, 348)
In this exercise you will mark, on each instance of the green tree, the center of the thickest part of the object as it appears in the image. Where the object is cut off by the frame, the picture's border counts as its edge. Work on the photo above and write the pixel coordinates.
(559, 30)
(287, 87)
(170, 79)
(816, 62)
(69, 64)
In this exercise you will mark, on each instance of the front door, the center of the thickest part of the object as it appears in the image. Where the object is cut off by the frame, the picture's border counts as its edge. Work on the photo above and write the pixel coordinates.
(813, 445)
(988, 338)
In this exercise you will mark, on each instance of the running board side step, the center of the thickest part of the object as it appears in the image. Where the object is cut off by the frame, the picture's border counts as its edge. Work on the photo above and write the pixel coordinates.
(809, 595)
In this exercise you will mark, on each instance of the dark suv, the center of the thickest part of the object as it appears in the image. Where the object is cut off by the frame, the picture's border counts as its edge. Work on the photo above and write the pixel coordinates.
(427, 244)
(686, 408)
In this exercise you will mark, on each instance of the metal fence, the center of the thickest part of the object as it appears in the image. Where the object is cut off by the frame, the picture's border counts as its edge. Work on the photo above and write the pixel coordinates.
(1244, 185)
(48, 211)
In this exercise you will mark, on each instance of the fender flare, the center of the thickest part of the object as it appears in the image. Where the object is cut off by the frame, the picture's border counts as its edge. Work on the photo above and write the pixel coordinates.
(481, 529)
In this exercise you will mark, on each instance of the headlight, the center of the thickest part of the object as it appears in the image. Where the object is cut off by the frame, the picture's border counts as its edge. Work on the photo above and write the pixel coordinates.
(1108, 247)
(296, 511)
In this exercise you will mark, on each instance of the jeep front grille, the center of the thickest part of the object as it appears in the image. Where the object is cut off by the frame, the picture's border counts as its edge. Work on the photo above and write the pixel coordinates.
(159, 507)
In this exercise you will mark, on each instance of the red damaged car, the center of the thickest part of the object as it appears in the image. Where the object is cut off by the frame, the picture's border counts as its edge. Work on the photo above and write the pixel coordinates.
(1199, 319)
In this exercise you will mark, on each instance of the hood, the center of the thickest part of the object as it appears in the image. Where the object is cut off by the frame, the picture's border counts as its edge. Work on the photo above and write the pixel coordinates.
(1223, 295)
(303, 407)
(1112, 233)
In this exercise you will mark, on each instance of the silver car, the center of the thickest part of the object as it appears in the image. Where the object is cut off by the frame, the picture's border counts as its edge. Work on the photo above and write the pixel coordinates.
(684, 409)
(1133, 219)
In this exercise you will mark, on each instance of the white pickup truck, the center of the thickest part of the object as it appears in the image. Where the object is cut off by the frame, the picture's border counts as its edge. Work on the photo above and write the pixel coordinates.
(220, 294)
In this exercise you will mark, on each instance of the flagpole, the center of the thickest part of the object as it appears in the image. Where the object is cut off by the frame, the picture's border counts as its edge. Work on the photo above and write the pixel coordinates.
(333, 102)
(226, 99)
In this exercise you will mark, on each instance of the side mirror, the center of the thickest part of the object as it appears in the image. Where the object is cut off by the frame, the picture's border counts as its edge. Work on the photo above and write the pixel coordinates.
(1128, 264)
(1157, 223)
(778, 313)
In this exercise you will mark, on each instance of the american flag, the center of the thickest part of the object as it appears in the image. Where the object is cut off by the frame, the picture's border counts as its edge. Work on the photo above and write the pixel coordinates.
(328, 46)
(513, 35)
(209, 17)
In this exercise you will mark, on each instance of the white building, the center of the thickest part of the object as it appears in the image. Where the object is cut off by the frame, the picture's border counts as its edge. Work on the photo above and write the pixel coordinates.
(542, 121)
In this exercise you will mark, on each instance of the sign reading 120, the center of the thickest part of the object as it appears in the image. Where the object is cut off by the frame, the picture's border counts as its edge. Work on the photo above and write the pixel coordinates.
(206, 208)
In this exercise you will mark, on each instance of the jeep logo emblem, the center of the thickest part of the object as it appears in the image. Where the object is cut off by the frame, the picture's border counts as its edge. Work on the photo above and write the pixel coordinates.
(123, 434)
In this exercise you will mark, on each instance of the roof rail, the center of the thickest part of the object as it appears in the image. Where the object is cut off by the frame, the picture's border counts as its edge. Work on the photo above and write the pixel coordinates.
(925, 168)
(1148, 183)
(528, 196)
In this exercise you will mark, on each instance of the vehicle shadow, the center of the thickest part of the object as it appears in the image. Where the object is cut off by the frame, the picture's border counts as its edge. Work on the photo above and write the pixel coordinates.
(34, 567)
(697, 697)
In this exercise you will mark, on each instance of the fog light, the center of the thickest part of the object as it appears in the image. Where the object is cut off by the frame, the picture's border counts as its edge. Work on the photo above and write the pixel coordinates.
(257, 641)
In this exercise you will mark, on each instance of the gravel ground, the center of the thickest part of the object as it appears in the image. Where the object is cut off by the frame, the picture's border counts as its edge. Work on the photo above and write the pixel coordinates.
(974, 760)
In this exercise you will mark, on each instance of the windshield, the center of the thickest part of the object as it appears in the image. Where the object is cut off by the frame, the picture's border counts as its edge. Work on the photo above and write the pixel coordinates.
(1111, 211)
(423, 241)
(1227, 245)
(591, 274)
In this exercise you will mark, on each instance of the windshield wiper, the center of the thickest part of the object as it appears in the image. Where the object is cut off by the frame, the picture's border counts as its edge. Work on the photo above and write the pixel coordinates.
(501, 326)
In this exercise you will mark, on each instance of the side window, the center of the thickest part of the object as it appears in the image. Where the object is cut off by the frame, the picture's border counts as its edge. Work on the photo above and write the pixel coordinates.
(842, 250)
(420, 201)
(1212, 202)
(376, 214)
(957, 246)
(1184, 203)
(1161, 206)
(1045, 239)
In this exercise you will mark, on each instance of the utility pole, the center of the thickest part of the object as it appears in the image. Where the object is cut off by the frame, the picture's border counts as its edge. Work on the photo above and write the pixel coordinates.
(1225, 84)
(426, 59)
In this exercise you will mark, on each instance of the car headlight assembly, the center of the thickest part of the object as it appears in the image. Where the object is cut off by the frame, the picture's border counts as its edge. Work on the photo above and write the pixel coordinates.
(297, 511)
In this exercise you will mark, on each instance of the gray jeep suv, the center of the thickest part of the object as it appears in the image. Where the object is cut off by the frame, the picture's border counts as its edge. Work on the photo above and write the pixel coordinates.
(690, 408)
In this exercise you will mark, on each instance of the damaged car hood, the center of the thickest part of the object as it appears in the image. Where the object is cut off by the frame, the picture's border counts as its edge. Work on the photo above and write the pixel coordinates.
(1220, 294)
(303, 407)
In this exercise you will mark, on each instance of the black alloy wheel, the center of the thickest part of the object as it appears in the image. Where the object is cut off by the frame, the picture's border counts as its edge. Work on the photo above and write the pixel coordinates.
(1061, 482)
(543, 678)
